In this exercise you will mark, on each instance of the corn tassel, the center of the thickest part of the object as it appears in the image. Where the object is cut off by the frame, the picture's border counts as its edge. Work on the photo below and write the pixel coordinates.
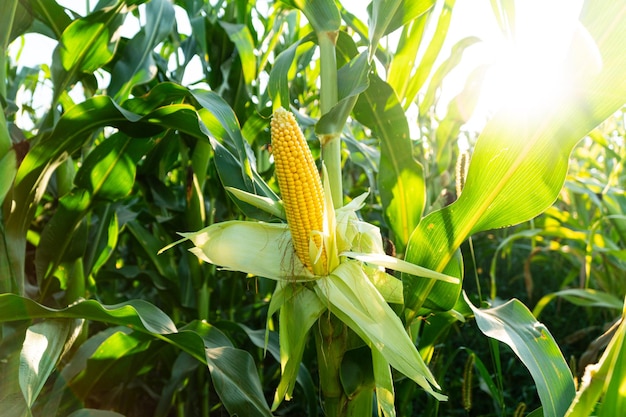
(300, 187)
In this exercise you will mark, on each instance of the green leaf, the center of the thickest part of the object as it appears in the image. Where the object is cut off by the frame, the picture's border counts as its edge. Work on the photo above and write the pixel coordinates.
(103, 365)
(431, 54)
(136, 64)
(137, 314)
(389, 15)
(520, 160)
(278, 85)
(14, 21)
(352, 80)
(442, 72)
(43, 346)
(513, 324)
(235, 378)
(53, 15)
(604, 378)
(323, 15)
(59, 233)
(8, 169)
(86, 45)
(385, 395)
(400, 178)
(585, 297)
(109, 170)
(240, 35)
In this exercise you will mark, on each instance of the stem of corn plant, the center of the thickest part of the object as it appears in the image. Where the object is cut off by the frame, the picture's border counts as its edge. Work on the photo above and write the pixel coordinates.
(331, 342)
(332, 334)
(331, 144)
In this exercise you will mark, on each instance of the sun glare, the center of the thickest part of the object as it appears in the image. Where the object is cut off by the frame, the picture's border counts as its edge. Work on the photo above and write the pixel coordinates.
(533, 68)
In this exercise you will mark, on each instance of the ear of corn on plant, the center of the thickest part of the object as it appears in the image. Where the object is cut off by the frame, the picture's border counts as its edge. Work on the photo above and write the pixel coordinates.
(301, 190)
(354, 285)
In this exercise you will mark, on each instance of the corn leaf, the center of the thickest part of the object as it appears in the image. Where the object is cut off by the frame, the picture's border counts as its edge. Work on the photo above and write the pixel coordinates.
(431, 54)
(240, 35)
(42, 348)
(520, 160)
(606, 377)
(388, 15)
(137, 313)
(513, 324)
(109, 170)
(86, 45)
(400, 177)
(323, 15)
(352, 80)
(236, 380)
(136, 64)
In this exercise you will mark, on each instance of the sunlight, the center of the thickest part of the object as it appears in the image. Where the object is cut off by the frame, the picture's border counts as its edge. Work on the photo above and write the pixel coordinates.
(534, 67)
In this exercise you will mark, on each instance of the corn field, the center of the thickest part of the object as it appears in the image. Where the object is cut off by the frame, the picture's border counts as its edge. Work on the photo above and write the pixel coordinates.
(258, 208)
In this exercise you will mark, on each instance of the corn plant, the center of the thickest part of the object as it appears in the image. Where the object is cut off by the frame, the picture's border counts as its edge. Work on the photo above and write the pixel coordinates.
(287, 170)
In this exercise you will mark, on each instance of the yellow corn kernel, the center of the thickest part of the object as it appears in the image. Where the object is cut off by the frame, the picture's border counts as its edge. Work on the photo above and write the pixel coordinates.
(300, 185)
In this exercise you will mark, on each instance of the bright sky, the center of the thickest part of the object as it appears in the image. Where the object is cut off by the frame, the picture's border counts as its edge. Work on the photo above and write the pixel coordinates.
(524, 68)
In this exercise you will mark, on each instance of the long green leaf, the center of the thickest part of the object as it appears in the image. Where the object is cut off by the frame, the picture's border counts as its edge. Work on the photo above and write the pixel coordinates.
(235, 378)
(604, 378)
(138, 314)
(240, 35)
(431, 54)
(513, 324)
(300, 309)
(109, 170)
(137, 65)
(238, 386)
(86, 45)
(58, 233)
(400, 177)
(352, 79)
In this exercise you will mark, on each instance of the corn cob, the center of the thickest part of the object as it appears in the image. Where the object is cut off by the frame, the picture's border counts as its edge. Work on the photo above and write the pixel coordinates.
(300, 185)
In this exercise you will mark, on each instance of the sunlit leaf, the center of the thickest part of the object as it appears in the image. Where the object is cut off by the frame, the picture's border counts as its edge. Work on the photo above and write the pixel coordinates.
(43, 346)
(8, 169)
(521, 158)
(605, 380)
(241, 37)
(400, 177)
(109, 170)
(278, 85)
(86, 45)
(357, 303)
